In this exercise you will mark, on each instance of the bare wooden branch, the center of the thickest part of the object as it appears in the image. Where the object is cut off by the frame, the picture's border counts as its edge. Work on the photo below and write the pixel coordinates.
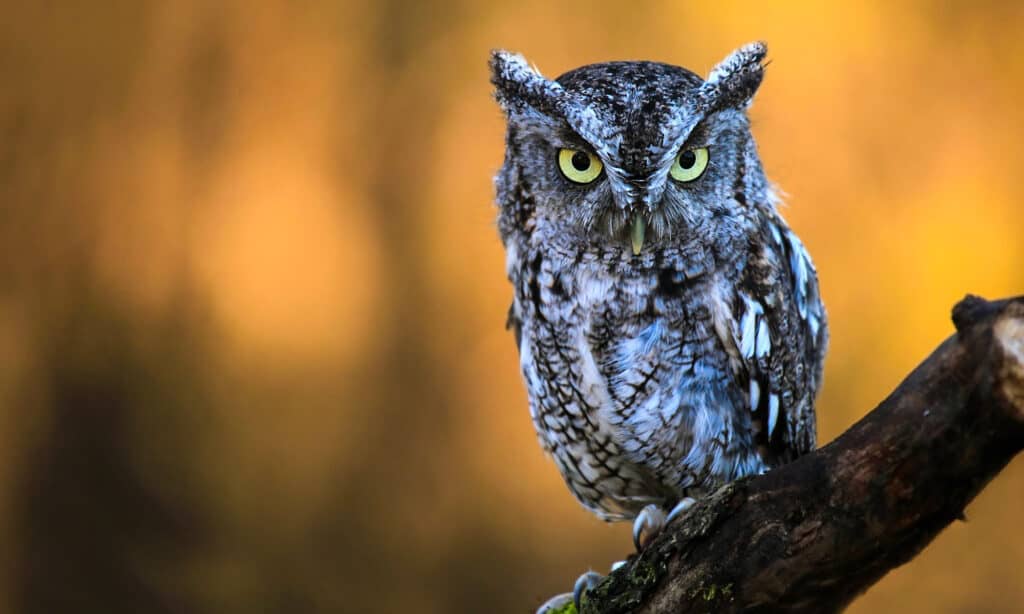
(814, 534)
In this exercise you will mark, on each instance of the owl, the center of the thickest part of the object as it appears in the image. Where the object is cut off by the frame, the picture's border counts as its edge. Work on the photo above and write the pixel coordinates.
(670, 330)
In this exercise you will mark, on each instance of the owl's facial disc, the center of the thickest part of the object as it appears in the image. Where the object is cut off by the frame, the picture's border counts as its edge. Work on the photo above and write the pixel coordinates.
(624, 145)
(630, 155)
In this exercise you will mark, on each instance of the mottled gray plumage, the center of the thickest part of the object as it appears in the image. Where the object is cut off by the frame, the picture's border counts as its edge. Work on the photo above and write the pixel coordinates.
(658, 375)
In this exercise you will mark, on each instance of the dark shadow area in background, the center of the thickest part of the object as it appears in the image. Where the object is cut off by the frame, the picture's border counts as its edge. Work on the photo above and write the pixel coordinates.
(95, 536)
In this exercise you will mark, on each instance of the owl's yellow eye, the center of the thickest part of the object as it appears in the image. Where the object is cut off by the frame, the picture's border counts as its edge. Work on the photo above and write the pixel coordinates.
(689, 164)
(579, 166)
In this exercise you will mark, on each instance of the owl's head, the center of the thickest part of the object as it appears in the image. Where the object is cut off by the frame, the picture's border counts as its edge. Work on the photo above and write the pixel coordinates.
(630, 153)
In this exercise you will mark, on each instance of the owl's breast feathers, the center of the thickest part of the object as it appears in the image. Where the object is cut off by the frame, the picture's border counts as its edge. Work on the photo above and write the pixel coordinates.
(654, 377)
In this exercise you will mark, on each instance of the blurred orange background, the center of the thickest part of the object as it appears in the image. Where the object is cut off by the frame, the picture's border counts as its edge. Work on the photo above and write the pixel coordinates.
(252, 355)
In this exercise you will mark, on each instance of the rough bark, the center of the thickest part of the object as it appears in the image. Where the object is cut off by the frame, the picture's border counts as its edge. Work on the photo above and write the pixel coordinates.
(814, 534)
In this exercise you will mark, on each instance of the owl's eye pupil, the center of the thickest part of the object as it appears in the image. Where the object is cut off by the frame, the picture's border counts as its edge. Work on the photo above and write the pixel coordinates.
(687, 159)
(580, 161)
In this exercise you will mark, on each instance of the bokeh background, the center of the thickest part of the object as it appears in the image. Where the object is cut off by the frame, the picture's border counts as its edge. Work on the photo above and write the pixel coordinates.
(252, 298)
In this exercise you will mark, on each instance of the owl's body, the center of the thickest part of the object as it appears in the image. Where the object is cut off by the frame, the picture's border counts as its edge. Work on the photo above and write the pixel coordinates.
(670, 332)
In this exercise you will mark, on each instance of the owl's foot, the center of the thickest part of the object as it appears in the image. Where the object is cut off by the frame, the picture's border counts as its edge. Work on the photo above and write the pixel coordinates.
(648, 523)
(652, 519)
(583, 584)
(684, 504)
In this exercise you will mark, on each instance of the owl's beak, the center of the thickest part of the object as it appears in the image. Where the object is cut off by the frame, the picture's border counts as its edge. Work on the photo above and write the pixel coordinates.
(637, 232)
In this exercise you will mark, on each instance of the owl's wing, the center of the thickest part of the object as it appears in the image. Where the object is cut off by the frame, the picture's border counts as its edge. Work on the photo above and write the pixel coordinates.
(781, 334)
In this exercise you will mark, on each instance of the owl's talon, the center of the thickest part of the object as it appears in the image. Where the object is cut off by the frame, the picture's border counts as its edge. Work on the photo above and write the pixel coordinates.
(583, 584)
(684, 504)
(649, 522)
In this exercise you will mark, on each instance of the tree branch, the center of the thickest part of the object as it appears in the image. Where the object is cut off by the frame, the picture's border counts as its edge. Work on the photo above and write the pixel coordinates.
(814, 534)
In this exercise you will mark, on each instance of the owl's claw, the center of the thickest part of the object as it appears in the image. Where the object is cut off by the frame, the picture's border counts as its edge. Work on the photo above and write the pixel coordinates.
(652, 519)
(648, 523)
(583, 584)
(684, 504)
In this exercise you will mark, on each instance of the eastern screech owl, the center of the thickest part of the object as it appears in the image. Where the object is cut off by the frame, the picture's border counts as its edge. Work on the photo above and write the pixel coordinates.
(670, 330)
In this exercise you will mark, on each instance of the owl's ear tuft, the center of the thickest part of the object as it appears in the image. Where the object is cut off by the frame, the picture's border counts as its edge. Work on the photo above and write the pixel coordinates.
(518, 85)
(733, 82)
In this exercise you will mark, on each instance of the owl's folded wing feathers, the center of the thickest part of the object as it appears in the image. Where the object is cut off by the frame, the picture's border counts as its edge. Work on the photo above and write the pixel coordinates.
(780, 332)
